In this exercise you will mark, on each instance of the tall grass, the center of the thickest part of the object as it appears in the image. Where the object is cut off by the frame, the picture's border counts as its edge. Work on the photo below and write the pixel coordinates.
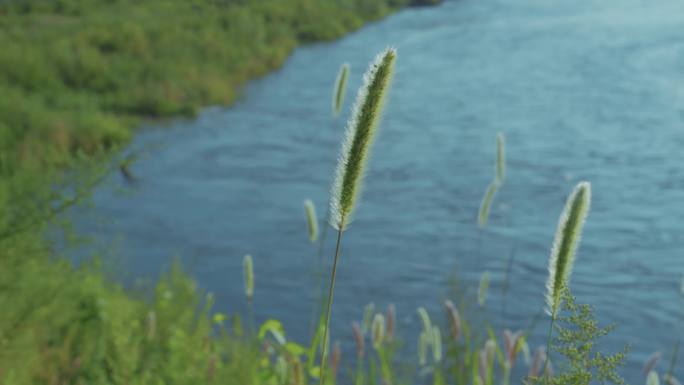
(361, 130)
(340, 89)
(497, 182)
(563, 252)
(311, 220)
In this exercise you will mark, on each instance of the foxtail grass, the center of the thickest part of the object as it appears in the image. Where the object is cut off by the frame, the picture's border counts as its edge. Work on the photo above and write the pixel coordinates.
(378, 331)
(424, 319)
(652, 378)
(454, 319)
(311, 220)
(499, 175)
(436, 344)
(423, 345)
(340, 89)
(651, 362)
(483, 288)
(248, 266)
(565, 244)
(500, 158)
(360, 132)
(483, 214)
(358, 339)
(391, 321)
(563, 252)
(248, 269)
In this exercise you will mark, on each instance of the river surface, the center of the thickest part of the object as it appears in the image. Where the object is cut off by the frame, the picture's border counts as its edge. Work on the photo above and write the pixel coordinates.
(583, 90)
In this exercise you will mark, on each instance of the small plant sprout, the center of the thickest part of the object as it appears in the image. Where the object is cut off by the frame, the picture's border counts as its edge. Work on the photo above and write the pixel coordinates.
(500, 158)
(361, 130)
(485, 205)
(565, 245)
(311, 220)
(340, 89)
(248, 267)
(484, 287)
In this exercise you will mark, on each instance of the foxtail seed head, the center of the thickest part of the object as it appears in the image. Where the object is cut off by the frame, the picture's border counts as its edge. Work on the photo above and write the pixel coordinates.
(358, 338)
(483, 215)
(311, 220)
(500, 158)
(248, 266)
(391, 318)
(651, 362)
(335, 358)
(436, 344)
(425, 319)
(652, 378)
(484, 287)
(378, 331)
(368, 312)
(359, 136)
(423, 344)
(340, 89)
(454, 319)
(565, 244)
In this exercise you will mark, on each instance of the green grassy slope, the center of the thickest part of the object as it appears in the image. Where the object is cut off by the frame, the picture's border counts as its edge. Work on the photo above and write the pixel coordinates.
(76, 78)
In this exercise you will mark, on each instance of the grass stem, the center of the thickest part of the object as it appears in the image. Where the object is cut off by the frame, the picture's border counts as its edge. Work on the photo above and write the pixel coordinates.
(324, 353)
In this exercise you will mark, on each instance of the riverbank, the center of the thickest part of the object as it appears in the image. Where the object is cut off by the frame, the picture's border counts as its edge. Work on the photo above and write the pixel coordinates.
(77, 78)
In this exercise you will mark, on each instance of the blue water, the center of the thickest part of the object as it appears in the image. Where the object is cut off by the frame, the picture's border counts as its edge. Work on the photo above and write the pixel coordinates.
(583, 90)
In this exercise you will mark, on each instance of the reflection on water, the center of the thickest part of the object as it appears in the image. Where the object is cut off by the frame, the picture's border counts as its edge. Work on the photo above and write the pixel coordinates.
(583, 90)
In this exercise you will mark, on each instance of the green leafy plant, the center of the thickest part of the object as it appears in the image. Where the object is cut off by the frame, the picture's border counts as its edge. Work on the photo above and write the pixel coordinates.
(578, 333)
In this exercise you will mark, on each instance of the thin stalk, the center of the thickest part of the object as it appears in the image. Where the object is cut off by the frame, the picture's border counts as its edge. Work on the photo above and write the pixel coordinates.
(319, 268)
(507, 374)
(507, 283)
(548, 349)
(673, 361)
(250, 316)
(324, 353)
(318, 289)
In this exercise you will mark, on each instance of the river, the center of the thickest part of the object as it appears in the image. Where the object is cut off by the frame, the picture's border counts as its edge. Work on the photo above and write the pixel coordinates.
(583, 90)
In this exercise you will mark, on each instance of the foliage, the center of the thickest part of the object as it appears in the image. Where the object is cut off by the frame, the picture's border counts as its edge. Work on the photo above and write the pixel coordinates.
(578, 334)
(77, 75)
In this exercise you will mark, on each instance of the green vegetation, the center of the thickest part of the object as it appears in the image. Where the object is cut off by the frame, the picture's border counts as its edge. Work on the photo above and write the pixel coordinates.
(356, 146)
(79, 75)
(76, 77)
